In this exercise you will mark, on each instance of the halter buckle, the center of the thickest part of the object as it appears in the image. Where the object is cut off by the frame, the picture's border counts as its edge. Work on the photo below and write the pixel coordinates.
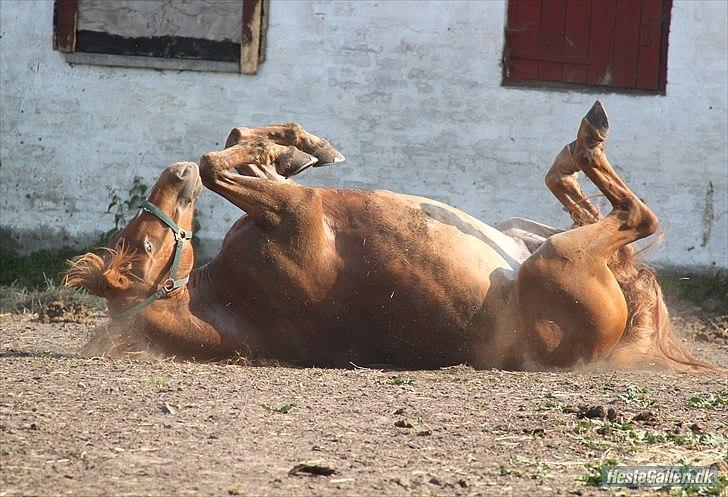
(168, 285)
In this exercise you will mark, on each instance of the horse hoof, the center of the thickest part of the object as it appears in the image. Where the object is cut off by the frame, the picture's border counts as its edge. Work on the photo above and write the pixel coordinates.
(597, 118)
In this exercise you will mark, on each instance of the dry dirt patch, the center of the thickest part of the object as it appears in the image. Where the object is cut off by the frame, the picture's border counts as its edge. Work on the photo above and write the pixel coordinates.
(72, 426)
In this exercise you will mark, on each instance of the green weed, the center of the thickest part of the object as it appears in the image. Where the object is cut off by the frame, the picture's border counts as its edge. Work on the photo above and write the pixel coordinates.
(714, 400)
(639, 396)
(158, 383)
(593, 476)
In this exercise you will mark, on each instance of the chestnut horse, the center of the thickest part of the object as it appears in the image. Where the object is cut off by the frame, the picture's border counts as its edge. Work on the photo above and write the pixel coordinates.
(331, 277)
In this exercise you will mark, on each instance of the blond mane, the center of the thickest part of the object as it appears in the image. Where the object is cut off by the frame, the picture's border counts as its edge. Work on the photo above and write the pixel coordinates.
(92, 271)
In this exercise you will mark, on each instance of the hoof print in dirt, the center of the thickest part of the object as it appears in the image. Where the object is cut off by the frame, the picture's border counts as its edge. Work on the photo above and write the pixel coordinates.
(311, 469)
(597, 412)
(404, 423)
(650, 418)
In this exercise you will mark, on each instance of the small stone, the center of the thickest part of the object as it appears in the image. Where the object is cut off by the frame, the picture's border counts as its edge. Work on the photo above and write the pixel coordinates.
(398, 412)
(592, 412)
(167, 409)
(311, 469)
(403, 423)
(647, 417)
(435, 481)
(424, 433)
(696, 428)
(611, 414)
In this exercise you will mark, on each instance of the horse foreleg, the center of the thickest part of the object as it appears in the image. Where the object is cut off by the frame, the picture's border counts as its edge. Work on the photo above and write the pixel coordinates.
(266, 202)
(288, 134)
(562, 180)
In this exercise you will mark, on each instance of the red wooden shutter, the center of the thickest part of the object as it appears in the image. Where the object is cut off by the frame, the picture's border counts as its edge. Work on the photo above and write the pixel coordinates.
(611, 43)
(64, 25)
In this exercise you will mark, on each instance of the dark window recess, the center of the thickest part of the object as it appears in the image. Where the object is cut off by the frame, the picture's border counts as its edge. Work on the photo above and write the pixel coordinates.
(172, 47)
(619, 44)
(204, 30)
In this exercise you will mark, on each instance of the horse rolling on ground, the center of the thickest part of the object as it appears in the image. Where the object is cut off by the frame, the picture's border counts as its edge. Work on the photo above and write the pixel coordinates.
(330, 277)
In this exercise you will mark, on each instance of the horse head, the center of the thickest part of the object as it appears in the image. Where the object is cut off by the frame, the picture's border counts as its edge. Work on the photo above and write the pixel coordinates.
(151, 256)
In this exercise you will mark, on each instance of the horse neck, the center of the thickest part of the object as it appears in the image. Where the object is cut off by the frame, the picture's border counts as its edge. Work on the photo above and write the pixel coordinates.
(172, 320)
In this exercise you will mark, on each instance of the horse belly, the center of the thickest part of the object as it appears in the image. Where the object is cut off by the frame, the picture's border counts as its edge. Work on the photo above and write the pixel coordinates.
(417, 290)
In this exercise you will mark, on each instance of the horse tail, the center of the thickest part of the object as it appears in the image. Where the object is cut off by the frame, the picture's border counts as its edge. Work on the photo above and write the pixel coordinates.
(649, 338)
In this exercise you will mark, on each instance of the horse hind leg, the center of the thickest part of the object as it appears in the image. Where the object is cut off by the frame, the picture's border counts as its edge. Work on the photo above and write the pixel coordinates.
(630, 219)
(570, 304)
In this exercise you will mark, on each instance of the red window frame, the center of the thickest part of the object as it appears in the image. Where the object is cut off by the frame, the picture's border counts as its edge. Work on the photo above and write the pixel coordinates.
(613, 44)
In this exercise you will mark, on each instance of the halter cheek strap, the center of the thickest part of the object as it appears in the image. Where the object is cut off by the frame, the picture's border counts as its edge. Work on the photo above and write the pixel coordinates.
(171, 283)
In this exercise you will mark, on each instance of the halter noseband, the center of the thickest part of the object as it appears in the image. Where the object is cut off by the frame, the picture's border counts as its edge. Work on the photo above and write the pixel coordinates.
(171, 283)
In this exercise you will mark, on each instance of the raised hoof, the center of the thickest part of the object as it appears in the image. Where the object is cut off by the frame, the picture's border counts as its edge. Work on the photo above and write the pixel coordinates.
(330, 161)
(598, 121)
(293, 161)
(326, 153)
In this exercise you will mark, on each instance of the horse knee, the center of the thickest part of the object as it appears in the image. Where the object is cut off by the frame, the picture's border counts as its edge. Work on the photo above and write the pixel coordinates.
(211, 164)
(235, 137)
(636, 216)
(295, 131)
(649, 223)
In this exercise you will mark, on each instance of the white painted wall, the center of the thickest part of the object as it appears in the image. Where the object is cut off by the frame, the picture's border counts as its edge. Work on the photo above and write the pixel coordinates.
(410, 92)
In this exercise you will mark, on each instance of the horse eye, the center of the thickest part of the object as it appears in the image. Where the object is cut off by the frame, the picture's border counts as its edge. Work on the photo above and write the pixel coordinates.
(148, 246)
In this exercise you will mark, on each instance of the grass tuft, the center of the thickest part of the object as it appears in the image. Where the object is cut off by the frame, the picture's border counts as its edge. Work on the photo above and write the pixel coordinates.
(697, 286)
(17, 299)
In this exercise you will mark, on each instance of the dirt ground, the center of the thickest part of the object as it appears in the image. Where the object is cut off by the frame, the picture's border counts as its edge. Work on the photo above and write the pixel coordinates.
(73, 426)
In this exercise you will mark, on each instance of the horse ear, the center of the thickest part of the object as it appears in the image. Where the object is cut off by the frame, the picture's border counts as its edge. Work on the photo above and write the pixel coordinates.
(116, 279)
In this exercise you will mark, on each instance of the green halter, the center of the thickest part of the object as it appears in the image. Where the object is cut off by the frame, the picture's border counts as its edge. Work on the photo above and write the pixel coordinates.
(171, 283)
